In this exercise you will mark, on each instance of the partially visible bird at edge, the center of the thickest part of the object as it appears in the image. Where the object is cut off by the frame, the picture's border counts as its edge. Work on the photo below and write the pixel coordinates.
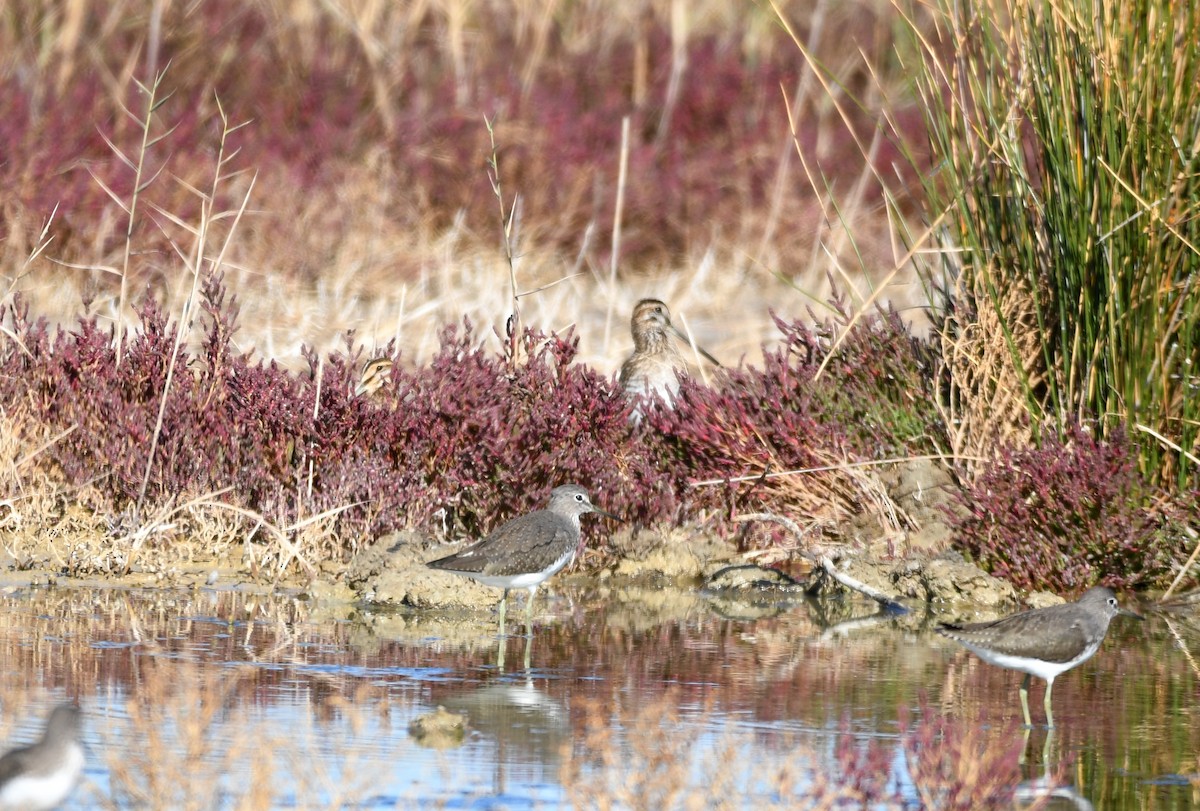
(42, 775)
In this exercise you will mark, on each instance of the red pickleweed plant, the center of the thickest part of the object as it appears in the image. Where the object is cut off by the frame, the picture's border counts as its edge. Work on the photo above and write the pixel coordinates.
(471, 438)
(1067, 515)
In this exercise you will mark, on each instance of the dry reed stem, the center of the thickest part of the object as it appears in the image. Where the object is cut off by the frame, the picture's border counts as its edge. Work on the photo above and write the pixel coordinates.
(618, 210)
(986, 405)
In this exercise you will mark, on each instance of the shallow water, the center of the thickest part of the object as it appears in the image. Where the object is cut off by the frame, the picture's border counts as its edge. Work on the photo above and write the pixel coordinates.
(632, 697)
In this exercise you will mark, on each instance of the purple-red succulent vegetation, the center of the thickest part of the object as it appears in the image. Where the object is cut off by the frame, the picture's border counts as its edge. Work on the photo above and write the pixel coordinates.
(473, 434)
(1066, 515)
(871, 401)
(477, 436)
(469, 439)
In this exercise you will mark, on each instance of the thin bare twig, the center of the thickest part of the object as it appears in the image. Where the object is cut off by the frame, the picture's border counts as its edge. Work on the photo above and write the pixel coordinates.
(513, 327)
(153, 102)
(754, 477)
(618, 212)
(826, 562)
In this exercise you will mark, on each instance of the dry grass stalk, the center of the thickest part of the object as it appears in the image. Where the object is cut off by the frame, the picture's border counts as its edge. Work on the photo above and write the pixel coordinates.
(986, 407)
(33, 516)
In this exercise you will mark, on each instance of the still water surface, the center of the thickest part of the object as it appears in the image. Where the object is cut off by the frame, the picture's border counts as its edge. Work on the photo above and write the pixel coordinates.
(219, 698)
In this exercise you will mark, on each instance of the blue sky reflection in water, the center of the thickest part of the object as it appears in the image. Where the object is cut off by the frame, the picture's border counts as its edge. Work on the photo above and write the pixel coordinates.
(312, 703)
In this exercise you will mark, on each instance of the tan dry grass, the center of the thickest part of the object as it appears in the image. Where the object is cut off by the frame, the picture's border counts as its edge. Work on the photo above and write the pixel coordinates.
(723, 296)
(26, 491)
(45, 524)
(310, 264)
(40, 521)
(986, 404)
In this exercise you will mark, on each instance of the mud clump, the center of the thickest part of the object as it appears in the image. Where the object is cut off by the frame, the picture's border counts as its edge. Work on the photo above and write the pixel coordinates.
(393, 572)
(440, 729)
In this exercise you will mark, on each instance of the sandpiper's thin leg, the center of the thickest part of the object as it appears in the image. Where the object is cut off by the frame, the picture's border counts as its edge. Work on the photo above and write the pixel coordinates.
(529, 611)
(1049, 714)
(503, 606)
(1025, 700)
(1048, 747)
(502, 643)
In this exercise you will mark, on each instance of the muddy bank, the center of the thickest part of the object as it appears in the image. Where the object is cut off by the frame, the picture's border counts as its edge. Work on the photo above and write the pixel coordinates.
(393, 572)
(912, 567)
(664, 576)
(647, 566)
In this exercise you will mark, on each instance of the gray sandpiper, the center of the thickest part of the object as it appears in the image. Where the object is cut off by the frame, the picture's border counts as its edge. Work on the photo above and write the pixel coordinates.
(1042, 642)
(527, 550)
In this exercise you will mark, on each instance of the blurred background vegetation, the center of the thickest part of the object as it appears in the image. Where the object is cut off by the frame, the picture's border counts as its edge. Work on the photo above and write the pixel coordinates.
(366, 140)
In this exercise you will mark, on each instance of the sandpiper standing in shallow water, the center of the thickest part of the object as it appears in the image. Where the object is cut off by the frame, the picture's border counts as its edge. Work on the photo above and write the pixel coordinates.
(1042, 642)
(655, 365)
(40, 776)
(527, 550)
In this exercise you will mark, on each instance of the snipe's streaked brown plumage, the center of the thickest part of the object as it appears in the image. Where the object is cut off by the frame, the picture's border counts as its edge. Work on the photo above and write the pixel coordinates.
(375, 374)
(655, 365)
(527, 550)
(1042, 642)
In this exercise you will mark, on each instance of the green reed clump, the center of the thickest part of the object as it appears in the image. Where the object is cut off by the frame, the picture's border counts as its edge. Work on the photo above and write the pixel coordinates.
(1068, 162)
